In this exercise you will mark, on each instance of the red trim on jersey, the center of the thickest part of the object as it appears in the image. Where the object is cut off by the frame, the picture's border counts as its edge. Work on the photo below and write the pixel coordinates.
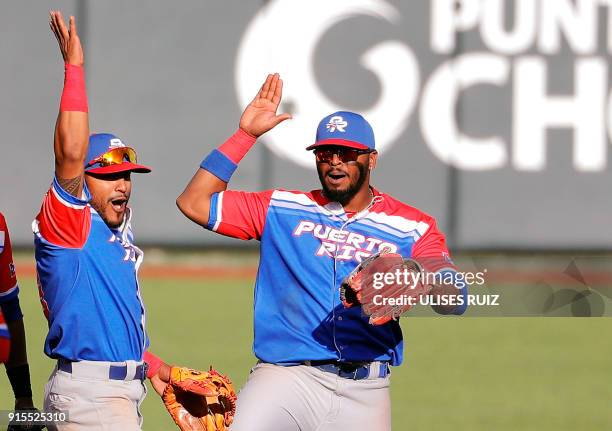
(62, 223)
(431, 244)
(431, 250)
(318, 197)
(41, 297)
(8, 278)
(242, 215)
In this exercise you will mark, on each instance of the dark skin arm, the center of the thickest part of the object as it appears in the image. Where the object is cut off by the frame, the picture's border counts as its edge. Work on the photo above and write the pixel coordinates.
(72, 127)
(18, 356)
(446, 291)
(161, 379)
(258, 118)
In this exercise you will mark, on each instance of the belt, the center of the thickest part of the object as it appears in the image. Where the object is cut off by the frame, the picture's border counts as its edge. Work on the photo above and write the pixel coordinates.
(129, 370)
(353, 370)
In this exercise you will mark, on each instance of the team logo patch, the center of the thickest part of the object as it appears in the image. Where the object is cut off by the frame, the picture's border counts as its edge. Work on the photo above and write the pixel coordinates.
(336, 123)
(12, 269)
(116, 143)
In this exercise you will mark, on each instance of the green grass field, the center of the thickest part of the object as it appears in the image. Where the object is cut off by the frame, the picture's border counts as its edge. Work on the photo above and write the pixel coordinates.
(459, 373)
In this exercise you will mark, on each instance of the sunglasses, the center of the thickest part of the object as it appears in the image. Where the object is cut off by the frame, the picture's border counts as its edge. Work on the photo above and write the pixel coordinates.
(345, 155)
(116, 156)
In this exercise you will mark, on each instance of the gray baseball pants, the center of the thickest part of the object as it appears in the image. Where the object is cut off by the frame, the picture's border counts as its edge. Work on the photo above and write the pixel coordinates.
(92, 400)
(305, 398)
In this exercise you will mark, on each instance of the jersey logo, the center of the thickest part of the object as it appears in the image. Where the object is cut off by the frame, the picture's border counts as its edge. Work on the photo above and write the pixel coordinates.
(342, 244)
(12, 270)
(131, 252)
(336, 123)
(116, 142)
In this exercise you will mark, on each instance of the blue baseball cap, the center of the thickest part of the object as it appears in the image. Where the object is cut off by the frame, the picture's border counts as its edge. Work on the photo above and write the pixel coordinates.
(344, 129)
(123, 160)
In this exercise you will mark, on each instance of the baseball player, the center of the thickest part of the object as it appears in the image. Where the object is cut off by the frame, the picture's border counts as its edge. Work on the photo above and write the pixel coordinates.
(12, 331)
(87, 267)
(321, 366)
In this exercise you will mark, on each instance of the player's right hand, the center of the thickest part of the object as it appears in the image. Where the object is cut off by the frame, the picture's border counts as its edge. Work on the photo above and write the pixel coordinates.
(260, 115)
(160, 380)
(68, 39)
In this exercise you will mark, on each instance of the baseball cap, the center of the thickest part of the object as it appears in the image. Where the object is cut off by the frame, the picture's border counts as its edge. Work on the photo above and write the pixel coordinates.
(101, 144)
(344, 129)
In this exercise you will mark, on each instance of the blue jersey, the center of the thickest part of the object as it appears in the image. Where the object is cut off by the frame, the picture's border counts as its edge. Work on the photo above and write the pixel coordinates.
(308, 246)
(87, 275)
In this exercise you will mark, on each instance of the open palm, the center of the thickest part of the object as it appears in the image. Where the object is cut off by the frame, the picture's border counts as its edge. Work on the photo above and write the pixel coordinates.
(260, 115)
(67, 38)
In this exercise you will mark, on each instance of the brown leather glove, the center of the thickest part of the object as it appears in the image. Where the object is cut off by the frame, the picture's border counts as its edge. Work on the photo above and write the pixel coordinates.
(199, 400)
(384, 298)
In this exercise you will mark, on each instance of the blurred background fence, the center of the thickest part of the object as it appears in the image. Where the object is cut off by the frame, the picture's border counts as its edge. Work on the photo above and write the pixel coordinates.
(494, 116)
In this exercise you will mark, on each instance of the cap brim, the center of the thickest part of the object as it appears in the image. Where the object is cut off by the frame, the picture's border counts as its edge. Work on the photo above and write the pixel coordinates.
(338, 143)
(123, 167)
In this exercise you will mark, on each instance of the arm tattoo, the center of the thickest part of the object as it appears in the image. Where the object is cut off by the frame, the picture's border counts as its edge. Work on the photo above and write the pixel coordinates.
(71, 185)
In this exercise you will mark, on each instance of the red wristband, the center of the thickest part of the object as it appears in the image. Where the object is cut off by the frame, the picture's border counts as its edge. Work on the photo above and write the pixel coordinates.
(74, 96)
(236, 147)
(153, 363)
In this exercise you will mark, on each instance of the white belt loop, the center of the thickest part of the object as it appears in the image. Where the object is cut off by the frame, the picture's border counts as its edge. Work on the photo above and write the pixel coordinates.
(374, 370)
(131, 370)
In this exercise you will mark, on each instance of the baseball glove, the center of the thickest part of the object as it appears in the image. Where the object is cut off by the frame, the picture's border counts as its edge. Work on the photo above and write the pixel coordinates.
(384, 298)
(199, 400)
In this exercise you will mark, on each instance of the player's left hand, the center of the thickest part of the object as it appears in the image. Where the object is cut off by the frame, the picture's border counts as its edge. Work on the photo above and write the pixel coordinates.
(260, 115)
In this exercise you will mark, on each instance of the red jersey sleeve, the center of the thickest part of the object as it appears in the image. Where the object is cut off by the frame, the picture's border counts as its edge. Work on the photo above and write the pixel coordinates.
(431, 250)
(64, 220)
(239, 214)
(8, 278)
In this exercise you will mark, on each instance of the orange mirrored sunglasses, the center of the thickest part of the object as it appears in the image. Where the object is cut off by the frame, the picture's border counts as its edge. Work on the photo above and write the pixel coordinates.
(116, 156)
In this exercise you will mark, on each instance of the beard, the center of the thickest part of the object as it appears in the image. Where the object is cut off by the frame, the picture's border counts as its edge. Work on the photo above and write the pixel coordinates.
(343, 196)
(99, 206)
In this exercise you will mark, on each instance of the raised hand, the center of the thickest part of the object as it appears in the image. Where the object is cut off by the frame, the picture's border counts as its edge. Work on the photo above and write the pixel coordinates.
(260, 115)
(68, 39)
